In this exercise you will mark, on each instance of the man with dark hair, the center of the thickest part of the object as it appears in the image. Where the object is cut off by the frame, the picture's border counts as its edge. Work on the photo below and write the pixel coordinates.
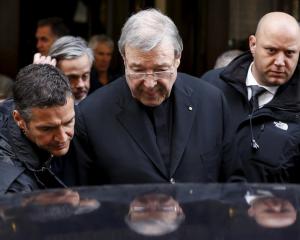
(40, 127)
(48, 30)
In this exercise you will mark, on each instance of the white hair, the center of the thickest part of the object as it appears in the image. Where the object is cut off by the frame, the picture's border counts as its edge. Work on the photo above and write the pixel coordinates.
(146, 29)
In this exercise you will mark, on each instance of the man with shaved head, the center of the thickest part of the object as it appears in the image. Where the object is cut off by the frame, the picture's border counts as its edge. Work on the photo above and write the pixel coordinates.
(262, 87)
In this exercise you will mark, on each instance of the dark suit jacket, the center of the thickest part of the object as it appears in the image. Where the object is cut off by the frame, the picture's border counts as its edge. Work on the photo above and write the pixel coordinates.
(115, 142)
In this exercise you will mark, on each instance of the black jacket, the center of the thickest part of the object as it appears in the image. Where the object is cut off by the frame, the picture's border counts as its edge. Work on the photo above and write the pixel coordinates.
(23, 166)
(95, 84)
(275, 126)
(115, 142)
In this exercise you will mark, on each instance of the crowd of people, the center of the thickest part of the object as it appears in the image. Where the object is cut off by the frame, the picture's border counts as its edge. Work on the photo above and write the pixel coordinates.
(73, 122)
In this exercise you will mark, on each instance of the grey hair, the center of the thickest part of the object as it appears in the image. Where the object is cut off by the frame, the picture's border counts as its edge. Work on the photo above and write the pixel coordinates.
(69, 47)
(154, 227)
(146, 29)
(102, 38)
(225, 58)
(6, 85)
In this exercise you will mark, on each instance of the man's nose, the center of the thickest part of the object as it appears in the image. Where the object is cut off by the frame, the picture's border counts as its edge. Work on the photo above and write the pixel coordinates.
(61, 135)
(277, 205)
(150, 81)
(38, 44)
(80, 83)
(280, 59)
(106, 58)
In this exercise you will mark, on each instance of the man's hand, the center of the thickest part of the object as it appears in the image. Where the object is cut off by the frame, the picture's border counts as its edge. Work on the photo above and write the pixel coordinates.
(39, 59)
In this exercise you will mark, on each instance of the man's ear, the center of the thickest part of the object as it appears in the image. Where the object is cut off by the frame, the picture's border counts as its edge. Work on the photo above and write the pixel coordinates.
(177, 62)
(251, 212)
(19, 120)
(252, 44)
(124, 61)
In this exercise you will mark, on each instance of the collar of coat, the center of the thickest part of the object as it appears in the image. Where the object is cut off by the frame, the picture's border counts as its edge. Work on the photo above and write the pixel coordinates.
(27, 152)
(287, 97)
(131, 115)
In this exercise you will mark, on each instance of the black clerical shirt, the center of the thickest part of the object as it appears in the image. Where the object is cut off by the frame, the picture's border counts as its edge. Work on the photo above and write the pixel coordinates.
(162, 120)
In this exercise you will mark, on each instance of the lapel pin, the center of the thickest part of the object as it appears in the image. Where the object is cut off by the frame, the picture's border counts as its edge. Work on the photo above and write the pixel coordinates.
(190, 108)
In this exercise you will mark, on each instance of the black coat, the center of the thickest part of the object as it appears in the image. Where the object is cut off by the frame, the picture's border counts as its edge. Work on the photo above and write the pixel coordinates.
(95, 84)
(278, 157)
(115, 142)
(23, 166)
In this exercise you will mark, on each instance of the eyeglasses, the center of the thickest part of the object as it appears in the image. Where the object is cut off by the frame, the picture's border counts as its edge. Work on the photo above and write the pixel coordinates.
(155, 75)
(160, 208)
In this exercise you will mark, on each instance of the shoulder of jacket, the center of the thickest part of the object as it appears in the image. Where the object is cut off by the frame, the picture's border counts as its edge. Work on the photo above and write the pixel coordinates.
(6, 150)
(8, 174)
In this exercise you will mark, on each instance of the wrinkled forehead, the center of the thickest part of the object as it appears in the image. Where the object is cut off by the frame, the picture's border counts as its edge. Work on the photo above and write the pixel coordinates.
(282, 38)
(161, 198)
(53, 113)
(160, 55)
(79, 64)
(164, 46)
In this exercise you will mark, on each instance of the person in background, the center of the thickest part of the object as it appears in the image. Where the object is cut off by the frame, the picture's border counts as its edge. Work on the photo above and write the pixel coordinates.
(152, 125)
(6, 85)
(48, 30)
(226, 57)
(103, 48)
(39, 127)
(75, 59)
(263, 90)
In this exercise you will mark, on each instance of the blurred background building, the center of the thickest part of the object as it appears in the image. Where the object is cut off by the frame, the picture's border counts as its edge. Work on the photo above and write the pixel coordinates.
(208, 27)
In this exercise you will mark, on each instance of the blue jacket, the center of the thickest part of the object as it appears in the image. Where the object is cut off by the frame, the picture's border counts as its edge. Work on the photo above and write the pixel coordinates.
(275, 127)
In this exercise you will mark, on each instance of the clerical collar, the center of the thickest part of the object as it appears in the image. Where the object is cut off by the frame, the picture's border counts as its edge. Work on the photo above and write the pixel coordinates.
(166, 104)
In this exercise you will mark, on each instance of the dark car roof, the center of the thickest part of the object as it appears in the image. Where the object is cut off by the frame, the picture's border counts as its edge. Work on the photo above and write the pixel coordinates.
(207, 211)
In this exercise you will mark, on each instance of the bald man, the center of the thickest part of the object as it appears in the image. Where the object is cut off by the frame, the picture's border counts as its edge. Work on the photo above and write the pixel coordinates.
(263, 90)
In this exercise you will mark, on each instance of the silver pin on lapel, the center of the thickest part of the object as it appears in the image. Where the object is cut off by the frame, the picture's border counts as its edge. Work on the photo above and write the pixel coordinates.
(190, 108)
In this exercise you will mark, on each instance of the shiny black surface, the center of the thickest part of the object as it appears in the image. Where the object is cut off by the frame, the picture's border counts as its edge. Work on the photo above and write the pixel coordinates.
(179, 211)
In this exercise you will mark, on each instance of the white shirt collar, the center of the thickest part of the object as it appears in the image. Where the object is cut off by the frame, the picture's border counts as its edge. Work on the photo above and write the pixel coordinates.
(250, 197)
(250, 81)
